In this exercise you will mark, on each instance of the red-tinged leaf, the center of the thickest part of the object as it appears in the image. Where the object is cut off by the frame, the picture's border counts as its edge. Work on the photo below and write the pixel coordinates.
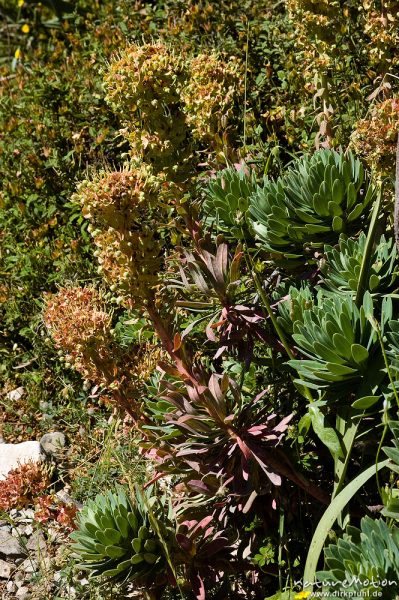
(167, 368)
(190, 451)
(202, 389)
(225, 383)
(231, 449)
(258, 429)
(156, 478)
(189, 524)
(184, 542)
(193, 394)
(218, 324)
(200, 526)
(248, 550)
(177, 342)
(198, 486)
(244, 448)
(184, 427)
(220, 352)
(195, 466)
(198, 587)
(282, 426)
(274, 477)
(260, 395)
(209, 333)
(253, 319)
(250, 502)
(221, 263)
(229, 419)
(215, 388)
(235, 265)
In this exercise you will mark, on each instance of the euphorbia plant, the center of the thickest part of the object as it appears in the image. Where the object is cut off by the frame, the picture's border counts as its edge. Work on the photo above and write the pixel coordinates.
(259, 339)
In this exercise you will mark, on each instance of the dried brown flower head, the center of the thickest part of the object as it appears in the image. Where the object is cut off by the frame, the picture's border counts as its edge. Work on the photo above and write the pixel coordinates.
(24, 485)
(81, 327)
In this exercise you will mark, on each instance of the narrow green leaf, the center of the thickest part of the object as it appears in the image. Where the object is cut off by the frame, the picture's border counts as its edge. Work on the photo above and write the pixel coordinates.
(330, 516)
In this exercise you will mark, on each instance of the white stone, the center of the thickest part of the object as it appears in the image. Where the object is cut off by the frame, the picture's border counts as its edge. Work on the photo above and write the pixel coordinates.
(11, 587)
(14, 455)
(16, 394)
(22, 593)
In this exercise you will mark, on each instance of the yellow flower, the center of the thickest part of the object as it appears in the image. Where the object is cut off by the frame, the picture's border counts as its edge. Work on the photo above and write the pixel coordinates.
(21, 3)
(17, 53)
(301, 595)
(25, 28)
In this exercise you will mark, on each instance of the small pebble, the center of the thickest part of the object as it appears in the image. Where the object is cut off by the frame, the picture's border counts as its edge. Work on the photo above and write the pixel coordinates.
(5, 569)
(11, 587)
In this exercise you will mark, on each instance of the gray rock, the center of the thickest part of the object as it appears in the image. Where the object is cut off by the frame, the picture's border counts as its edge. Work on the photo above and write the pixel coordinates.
(10, 546)
(19, 578)
(29, 566)
(37, 543)
(52, 443)
(16, 394)
(5, 569)
(14, 455)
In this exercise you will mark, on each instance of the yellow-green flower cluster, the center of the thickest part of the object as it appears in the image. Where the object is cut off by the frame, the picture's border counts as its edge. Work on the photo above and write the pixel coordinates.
(380, 23)
(373, 26)
(143, 88)
(210, 95)
(125, 211)
(375, 137)
(169, 104)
